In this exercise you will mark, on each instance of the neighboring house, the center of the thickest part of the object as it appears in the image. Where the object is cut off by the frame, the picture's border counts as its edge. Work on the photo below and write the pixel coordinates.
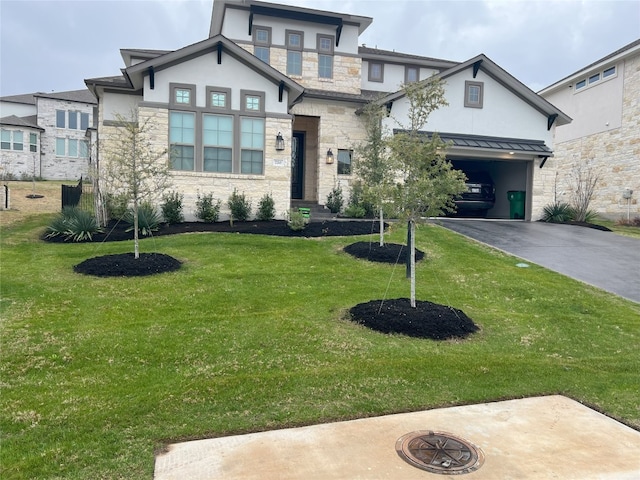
(44, 135)
(270, 103)
(604, 101)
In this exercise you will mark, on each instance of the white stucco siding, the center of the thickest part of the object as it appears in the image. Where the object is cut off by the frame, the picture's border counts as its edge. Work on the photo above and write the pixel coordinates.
(595, 108)
(503, 113)
(236, 27)
(204, 71)
(114, 104)
(17, 109)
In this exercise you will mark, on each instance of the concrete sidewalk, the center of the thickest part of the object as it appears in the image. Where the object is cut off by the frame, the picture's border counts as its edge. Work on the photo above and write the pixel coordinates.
(530, 439)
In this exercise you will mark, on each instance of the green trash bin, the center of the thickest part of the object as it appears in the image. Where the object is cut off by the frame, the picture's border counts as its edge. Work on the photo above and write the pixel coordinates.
(516, 203)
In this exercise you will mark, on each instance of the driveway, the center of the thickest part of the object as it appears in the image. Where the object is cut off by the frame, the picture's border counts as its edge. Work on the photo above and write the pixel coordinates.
(602, 259)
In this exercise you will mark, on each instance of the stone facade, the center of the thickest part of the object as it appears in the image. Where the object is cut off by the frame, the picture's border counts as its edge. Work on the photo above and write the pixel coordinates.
(613, 155)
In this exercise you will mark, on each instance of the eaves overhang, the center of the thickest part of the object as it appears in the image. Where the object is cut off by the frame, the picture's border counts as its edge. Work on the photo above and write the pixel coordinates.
(221, 46)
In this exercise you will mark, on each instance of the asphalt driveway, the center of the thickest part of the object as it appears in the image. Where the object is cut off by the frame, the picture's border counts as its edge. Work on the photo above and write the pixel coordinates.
(602, 259)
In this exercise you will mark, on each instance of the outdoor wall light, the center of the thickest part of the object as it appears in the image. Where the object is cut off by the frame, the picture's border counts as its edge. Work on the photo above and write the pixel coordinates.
(329, 156)
(279, 142)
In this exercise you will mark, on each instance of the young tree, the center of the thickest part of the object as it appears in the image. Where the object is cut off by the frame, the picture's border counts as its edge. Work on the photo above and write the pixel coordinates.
(427, 182)
(132, 167)
(583, 180)
(372, 163)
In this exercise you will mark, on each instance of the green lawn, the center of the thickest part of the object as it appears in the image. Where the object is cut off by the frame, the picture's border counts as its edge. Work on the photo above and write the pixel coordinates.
(98, 374)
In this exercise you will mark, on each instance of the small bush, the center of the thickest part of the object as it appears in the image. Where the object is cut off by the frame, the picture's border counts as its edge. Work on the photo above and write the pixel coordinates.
(239, 205)
(335, 200)
(558, 212)
(148, 219)
(74, 224)
(266, 208)
(632, 222)
(296, 221)
(117, 206)
(206, 209)
(172, 207)
(355, 211)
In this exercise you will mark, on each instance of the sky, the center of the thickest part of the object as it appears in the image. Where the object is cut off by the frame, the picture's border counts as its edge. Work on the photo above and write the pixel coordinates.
(52, 46)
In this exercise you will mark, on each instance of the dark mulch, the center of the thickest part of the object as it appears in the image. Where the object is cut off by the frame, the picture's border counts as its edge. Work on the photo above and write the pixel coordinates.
(388, 253)
(427, 320)
(114, 231)
(126, 265)
(584, 224)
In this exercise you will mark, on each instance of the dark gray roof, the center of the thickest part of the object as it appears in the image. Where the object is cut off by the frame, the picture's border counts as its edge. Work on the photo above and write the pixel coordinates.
(30, 121)
(493, 143)
(114, 81)
(26, 98)
(368, 51)
(83, 96)
(364, 97)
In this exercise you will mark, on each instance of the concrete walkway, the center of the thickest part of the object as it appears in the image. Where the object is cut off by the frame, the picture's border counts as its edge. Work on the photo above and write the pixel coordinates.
(530, 439)
(602, 259)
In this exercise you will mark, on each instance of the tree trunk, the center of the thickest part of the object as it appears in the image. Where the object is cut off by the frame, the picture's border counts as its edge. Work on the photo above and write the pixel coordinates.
(412, 261)
(381, 227)
(135, 229)
(408, 257)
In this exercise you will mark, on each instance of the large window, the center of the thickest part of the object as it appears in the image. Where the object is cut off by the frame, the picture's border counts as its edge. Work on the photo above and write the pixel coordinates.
(33, 142)
(344, 162)
(83, 149)
(251, 145)
(473, 94)
(84, 121)
(294, 52)
(61, 147)
(73, 120)
(262, 42)
(73, 147)
(217, 138)
(325, 56)
(182, 140)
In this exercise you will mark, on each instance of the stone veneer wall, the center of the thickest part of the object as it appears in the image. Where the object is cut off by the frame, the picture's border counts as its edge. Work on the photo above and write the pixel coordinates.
(275, 181)
(346, 70)
(339, 128)
(614, 155)
(55, 167)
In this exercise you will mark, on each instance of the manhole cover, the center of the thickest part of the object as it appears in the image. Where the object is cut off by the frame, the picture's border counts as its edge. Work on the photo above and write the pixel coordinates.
(439, 452)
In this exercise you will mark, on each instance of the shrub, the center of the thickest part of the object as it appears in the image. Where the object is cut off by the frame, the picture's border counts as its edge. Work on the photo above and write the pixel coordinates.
(206, 209)
(172, 207)
(148, 219)
(117, 206)
(239, 205)
(632, 222)
(75, 224)
(558, 212)
(266, 208)
(297, 221)
(335, 200)
(355, 211)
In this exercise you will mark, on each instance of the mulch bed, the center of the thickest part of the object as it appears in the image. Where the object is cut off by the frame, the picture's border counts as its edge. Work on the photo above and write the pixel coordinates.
(426, 320)
(388, 253)
(126, 265)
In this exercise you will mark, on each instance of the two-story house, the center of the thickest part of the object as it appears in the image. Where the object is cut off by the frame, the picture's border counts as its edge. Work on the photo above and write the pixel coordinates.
(603, 99)
(44, 135)
(270, 103)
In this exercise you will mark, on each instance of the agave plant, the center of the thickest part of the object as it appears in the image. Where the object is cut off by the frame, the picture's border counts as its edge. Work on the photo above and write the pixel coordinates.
(558, 212)
(148, 219)
(75, 224)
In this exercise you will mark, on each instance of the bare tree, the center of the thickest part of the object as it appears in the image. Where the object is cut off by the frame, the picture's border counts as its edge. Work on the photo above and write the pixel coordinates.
(583, 181)
(132, 167)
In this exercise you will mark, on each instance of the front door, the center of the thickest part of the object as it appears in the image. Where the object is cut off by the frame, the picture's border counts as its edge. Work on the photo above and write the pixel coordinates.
(297, 166)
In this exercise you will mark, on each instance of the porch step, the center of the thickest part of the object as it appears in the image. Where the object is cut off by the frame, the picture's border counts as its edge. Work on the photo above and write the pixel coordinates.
(316, 212)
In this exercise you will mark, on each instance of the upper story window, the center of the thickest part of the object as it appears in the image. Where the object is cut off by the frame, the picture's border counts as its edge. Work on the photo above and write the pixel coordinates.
(607, 73)
(73, 120)
(182, 95)
(473, 94)
(61, 119)
(325, 56)
(344, 162)
(84, 121)
(262, 42)
(411, 74)
(218, 98)
(295, 44)
(252, 102)
(376, 72)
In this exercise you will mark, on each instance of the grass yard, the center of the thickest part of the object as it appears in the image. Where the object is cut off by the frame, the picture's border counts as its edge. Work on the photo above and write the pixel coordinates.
(98, 374)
